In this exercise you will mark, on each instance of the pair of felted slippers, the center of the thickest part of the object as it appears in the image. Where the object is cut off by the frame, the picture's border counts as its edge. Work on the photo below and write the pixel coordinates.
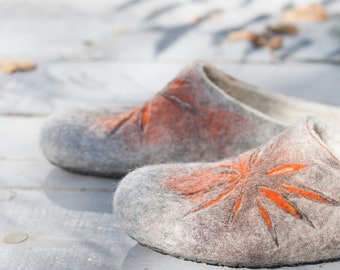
(263, 192)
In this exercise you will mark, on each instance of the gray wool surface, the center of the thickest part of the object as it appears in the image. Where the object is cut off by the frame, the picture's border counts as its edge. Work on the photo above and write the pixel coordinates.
(202, 115)
(166, 207)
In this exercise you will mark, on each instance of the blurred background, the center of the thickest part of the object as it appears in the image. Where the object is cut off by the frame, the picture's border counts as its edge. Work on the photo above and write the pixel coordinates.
(110, 52)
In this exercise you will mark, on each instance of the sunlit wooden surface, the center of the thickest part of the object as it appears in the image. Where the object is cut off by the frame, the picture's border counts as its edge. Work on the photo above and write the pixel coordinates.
(114, 53)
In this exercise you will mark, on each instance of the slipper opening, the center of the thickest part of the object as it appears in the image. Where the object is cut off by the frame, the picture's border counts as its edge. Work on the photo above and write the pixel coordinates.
(279, 107)
(327, 137)
(249, 95)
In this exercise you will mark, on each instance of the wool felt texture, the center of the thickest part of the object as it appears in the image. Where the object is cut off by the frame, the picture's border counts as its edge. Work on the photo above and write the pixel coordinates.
(202, 115)
(275, 205)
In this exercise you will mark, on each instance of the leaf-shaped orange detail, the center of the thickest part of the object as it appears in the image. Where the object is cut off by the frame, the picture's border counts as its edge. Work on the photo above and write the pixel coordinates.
(284, 169)
(266, 217)
(113, 124)
(211, 203)
(309, 194)
(280, 201)
(178, 83)
(237, 207)
(144, 116)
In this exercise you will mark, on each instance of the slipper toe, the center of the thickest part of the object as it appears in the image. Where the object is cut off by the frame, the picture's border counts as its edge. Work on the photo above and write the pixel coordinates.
(75, 140)
(275, 205)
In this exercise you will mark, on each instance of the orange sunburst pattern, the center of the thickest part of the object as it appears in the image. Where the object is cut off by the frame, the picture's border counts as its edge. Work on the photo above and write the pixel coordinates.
(248, 182)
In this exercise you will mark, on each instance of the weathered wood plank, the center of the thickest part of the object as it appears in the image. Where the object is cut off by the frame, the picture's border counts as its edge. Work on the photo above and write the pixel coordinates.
(65, 85)
(89, 54)
(59, 236)
(102, 32)
(23, 165)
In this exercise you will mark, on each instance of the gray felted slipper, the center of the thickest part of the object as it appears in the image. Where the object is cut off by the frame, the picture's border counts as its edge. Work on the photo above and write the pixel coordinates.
(272, 206)
(202, 115)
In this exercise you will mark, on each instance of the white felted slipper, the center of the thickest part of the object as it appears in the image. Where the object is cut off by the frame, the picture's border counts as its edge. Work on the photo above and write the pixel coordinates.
(202, 115)
(272, 206)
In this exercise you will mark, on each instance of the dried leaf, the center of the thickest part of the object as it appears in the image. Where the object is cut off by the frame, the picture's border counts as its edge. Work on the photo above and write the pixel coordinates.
(286, 29)
(194, 20)
(16, 65)
(119, 30)
(275, 42)
(215, 16)
(310, 13)
(260, 41)
(241, 35)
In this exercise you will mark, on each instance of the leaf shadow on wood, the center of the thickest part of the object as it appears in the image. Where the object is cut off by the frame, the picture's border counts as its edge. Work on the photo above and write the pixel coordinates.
(298, 46)
(287, 6)
(220, 36)
(249, 51)
(327, 2)
(79, 192)
(334, 53)
(128, 4)
(171, 34)
(160, 11)
(246, 3)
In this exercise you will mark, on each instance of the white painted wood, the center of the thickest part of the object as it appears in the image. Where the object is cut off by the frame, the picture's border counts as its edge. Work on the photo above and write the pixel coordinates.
(113, 53)
(59, 236)
(67, 218)
(56, 86)
(153, 30)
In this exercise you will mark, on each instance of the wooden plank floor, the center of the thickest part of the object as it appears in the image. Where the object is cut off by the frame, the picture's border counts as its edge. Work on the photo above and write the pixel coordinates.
(114, 53)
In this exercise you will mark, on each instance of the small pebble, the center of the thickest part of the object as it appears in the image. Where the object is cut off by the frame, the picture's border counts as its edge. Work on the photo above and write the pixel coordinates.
(15, 238)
